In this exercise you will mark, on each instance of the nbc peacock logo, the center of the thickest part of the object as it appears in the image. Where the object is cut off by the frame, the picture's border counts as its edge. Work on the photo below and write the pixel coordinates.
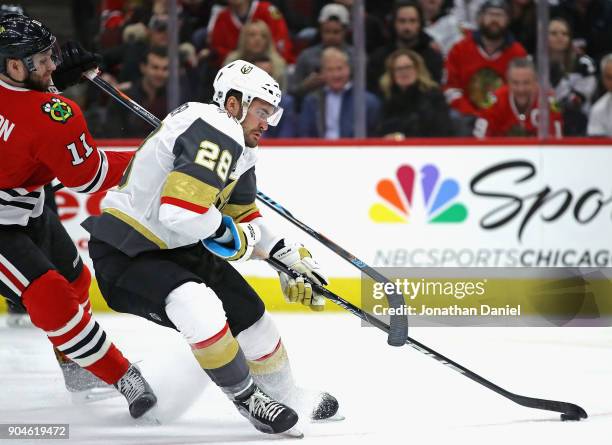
(439, 197)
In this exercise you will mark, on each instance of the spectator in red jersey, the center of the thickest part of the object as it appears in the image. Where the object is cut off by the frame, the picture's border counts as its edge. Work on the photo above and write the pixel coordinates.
(476, 66)
(515, 110)
(225, 27)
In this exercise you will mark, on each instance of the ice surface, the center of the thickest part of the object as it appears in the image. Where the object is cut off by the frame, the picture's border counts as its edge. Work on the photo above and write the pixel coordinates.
(392, 395)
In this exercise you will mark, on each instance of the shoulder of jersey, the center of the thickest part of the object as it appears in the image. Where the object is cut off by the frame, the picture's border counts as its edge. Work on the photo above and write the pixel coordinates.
(214, 116)
(57, 108)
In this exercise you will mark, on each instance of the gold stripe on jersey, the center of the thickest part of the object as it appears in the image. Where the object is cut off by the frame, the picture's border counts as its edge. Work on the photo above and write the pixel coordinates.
(187, 188)
(127, 219)
(238, 212)
(219, 354)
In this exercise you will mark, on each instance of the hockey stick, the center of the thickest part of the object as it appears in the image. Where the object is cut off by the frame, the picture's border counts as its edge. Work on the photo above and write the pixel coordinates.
(398, 331)
(569, 411)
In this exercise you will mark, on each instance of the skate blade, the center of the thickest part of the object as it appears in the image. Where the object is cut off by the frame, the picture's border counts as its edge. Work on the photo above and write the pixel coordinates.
(292, 433)
(335, 418)
(150, 418)
(93, 395)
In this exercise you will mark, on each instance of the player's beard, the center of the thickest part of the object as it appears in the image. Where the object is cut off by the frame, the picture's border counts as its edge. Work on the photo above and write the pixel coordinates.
(37, 83)
(493, 33)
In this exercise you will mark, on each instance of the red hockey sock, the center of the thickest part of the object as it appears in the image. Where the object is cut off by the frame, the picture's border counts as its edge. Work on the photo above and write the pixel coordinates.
(81, 288)
(54, 307)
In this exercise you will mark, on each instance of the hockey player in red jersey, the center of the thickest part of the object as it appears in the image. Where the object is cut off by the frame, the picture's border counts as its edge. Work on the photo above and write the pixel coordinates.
(476, 66)
(43, 136)
(515, 111)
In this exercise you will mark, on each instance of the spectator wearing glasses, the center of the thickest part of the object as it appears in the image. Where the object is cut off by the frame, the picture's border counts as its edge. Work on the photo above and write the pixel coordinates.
(414, 105)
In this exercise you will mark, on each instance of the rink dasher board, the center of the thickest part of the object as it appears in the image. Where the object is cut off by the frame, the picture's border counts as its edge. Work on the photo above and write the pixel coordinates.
(426, 206)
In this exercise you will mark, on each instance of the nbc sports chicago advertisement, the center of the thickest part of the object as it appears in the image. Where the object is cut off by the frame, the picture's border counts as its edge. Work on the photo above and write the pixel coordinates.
(437, 206)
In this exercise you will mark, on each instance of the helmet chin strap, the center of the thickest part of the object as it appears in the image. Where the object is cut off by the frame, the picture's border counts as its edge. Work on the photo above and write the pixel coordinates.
(245, 109)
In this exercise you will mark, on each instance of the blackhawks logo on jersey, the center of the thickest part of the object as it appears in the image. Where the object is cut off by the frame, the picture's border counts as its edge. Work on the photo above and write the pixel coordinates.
(58, 110)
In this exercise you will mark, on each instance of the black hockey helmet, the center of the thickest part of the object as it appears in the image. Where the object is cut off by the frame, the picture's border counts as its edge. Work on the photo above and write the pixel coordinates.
(22, 37)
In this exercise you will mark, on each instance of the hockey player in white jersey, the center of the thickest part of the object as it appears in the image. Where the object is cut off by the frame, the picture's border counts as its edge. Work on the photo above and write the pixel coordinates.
(185, 208)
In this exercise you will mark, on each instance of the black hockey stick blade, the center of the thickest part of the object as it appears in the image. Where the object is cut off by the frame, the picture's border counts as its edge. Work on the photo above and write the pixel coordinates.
(398, 331)
(569, 411)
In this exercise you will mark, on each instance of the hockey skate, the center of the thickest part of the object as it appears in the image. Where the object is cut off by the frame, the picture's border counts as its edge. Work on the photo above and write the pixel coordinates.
(266, 414)
(137, 392)
(83, 386)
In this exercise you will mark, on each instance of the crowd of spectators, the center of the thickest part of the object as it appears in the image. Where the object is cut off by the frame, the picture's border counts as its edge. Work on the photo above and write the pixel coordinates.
(435, 68)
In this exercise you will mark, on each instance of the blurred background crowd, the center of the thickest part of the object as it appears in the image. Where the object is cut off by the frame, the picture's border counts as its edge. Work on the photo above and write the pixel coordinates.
(433, 68)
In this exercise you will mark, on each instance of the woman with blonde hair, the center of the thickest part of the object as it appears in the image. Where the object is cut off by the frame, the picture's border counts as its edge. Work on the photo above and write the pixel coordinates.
(256, 41)
(414, 105)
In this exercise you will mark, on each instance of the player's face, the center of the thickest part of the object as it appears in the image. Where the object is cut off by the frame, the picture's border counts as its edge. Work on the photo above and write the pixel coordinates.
(44, 65)
(493, 23)
(407, 23)
(404, 71)
(332, 33)
(256, 121)
(336, 72)
(606, 76)
(558, 36)
(523, 85)
(155, 71)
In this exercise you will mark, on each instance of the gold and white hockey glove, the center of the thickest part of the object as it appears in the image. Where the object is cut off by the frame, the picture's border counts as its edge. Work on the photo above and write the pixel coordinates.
(299, 259)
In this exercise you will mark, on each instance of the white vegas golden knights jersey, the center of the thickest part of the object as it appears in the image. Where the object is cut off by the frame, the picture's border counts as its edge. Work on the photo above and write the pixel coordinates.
(183, 177)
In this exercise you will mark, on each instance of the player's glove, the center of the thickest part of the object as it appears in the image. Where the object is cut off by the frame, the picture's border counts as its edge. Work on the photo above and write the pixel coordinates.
(233, 242)
(75, 61)
(299, 259)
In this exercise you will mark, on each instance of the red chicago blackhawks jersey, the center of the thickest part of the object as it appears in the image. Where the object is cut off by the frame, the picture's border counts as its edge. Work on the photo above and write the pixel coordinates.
(472, 75)
(504, 119)
(44, 136)
(225, 30)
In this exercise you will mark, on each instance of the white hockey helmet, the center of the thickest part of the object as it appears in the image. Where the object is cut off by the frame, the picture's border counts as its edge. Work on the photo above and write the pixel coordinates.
(252, 82)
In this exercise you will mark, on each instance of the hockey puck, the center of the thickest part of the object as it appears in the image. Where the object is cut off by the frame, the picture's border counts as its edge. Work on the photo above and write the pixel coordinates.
(570, 416)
